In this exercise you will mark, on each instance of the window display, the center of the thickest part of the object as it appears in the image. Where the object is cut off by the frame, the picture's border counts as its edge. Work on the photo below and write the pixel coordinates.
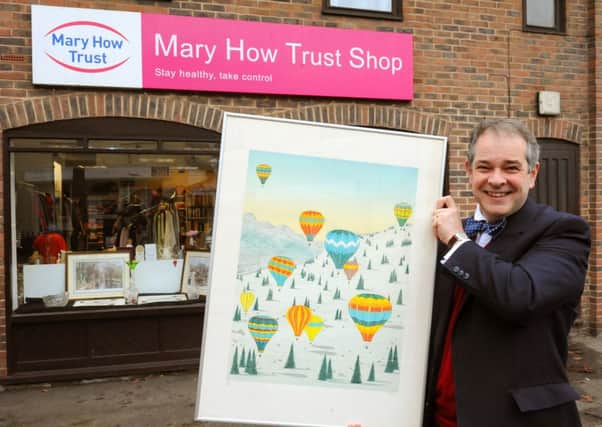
(77, 202)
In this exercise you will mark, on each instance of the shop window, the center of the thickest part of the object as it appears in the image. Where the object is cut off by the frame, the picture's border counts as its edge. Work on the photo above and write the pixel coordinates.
(387, 9)
(79, 195)
(546, 16)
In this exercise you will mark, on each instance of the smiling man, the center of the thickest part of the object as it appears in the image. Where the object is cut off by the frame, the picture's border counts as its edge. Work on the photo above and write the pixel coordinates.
(508, 284)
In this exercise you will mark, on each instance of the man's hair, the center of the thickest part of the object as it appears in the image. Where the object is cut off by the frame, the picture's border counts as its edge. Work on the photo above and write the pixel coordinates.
(508, 127)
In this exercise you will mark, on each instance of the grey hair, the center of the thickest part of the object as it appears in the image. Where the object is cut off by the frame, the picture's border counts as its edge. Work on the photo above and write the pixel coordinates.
(508, 127)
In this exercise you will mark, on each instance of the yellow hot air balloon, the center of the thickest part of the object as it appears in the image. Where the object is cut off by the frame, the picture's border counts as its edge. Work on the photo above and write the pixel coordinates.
(402, 212)
(263, 171)
(246, 300)
(314, 327)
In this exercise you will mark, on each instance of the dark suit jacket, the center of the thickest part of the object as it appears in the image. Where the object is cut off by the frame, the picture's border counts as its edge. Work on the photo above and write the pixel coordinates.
(509, 346)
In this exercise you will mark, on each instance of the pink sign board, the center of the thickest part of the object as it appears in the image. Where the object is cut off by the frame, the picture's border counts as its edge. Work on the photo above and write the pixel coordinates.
(238, 56)
(90, 47)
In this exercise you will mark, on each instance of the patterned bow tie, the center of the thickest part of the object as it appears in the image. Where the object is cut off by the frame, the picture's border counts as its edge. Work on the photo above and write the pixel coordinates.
(472, 227)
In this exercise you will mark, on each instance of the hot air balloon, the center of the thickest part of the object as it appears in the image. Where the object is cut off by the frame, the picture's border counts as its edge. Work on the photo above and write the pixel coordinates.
(350, 268)
(262, 329)
(314, 327)
(369, 312)
(298, 316)
(246, 299)
(281, 268)
(402, 212)
(311, 223)
(341, 245)
(263, 171)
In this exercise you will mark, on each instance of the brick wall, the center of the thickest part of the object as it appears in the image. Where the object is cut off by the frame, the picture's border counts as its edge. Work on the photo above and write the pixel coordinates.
(472, 60)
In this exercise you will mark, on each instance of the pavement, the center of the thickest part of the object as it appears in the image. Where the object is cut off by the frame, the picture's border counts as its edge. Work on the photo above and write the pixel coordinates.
(168, 399)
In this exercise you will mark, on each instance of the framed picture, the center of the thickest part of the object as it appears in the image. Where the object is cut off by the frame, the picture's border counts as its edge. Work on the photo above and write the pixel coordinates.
(195, 274)
(97, 274)
(322, 274)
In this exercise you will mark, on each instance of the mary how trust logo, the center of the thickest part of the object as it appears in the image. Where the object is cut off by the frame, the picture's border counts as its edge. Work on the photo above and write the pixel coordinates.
(86, 47)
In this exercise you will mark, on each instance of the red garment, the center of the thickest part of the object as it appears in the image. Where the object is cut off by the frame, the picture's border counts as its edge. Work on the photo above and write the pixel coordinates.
(50, 245)
(445, 393)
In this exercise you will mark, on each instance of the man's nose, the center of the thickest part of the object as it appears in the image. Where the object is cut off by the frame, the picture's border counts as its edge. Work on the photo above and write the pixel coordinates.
(497, 177)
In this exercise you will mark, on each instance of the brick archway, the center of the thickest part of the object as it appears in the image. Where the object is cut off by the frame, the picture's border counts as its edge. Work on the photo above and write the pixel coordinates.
(557, 129)
(181, 110)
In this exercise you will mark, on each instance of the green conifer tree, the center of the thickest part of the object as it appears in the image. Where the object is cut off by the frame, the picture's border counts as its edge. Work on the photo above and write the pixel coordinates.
(357, 374)
(395, 359)
(293, 284)
(364, 253)
(408, 269)
(258, 273)
(389, 366)
(400, 297)
(370, 265)
(320, 298)
(237, 315)
(243, 359)
(323, 375)
(290, 361)
(360, 283)
(371, 376)
(294, 301)
(329, 369)
(256, 305)
(270, 296)
(234, 368)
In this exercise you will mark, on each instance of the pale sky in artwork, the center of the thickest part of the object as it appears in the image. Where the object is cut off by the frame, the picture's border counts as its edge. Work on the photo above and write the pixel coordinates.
(354, 196)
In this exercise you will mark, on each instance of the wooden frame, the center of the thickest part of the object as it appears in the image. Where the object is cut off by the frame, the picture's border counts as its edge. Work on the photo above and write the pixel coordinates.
(195, 273)
(297, 299)
(330, 7)
(559, 21)
(97, 274)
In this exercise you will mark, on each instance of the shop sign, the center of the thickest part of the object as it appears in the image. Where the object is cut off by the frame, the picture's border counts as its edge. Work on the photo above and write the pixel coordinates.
(88, 47)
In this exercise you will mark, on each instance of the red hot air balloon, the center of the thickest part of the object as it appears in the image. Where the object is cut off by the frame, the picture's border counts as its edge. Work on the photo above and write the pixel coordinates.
(298, 316)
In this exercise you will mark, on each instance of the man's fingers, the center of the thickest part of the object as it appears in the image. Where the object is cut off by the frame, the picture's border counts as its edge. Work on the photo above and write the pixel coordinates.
(445, 202)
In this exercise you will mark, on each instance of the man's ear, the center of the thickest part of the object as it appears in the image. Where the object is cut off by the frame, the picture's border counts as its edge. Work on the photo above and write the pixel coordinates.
(468, 168)
(533, 175)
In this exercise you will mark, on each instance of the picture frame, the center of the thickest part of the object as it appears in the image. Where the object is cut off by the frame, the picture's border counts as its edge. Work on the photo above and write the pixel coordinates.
(91, 275)
(321, 231)
(195, 273)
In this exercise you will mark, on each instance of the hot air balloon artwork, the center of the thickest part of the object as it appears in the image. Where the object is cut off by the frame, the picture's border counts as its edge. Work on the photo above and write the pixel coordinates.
(341, 245)
(311, 223)
(246, 300)
(263, 171)
(350, 268)
(281, 268)
(262, 329)
(298, 316)
(314, 327)
(402, 212)
(369, 312)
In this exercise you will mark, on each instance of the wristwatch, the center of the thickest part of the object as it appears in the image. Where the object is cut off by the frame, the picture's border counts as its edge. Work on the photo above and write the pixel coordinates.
(458, 237)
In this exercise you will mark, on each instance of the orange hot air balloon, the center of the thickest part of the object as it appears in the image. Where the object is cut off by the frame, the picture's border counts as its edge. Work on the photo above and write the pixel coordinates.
(350, 268)
(311, 223)
(298, 316)
(246, 299)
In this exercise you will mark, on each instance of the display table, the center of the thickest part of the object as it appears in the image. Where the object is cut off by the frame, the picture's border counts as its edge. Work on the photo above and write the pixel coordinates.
(63, 343)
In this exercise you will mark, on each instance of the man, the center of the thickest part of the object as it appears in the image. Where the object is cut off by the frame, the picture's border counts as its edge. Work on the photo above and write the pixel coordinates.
(504, 303)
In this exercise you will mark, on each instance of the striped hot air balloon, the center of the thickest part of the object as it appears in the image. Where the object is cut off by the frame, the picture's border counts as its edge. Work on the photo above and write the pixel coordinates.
(341, 245)
(311, 223)
(350, 268)
(314, 327)
(246, 299)
(262, 329)
(263, 171)
(402, 212)
(281, 268)
(369, 312)
(298, 316)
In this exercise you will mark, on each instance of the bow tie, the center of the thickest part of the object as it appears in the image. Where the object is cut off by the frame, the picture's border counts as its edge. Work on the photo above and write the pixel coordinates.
(472, 227)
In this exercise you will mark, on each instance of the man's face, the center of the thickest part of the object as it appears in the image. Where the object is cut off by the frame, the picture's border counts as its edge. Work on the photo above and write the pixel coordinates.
(500, 176)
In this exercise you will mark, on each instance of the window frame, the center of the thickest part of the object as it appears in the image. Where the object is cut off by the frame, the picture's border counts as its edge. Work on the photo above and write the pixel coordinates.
(559, 24)
(396, 13)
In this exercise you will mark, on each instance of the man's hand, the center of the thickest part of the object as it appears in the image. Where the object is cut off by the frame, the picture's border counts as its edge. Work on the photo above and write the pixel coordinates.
(446, 219)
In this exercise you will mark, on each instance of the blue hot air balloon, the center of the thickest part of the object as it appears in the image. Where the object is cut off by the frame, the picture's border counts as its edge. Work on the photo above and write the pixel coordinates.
(341, 245)
(262, 329)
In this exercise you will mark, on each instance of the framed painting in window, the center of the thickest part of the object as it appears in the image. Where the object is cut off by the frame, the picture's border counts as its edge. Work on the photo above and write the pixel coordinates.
(97, 274)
